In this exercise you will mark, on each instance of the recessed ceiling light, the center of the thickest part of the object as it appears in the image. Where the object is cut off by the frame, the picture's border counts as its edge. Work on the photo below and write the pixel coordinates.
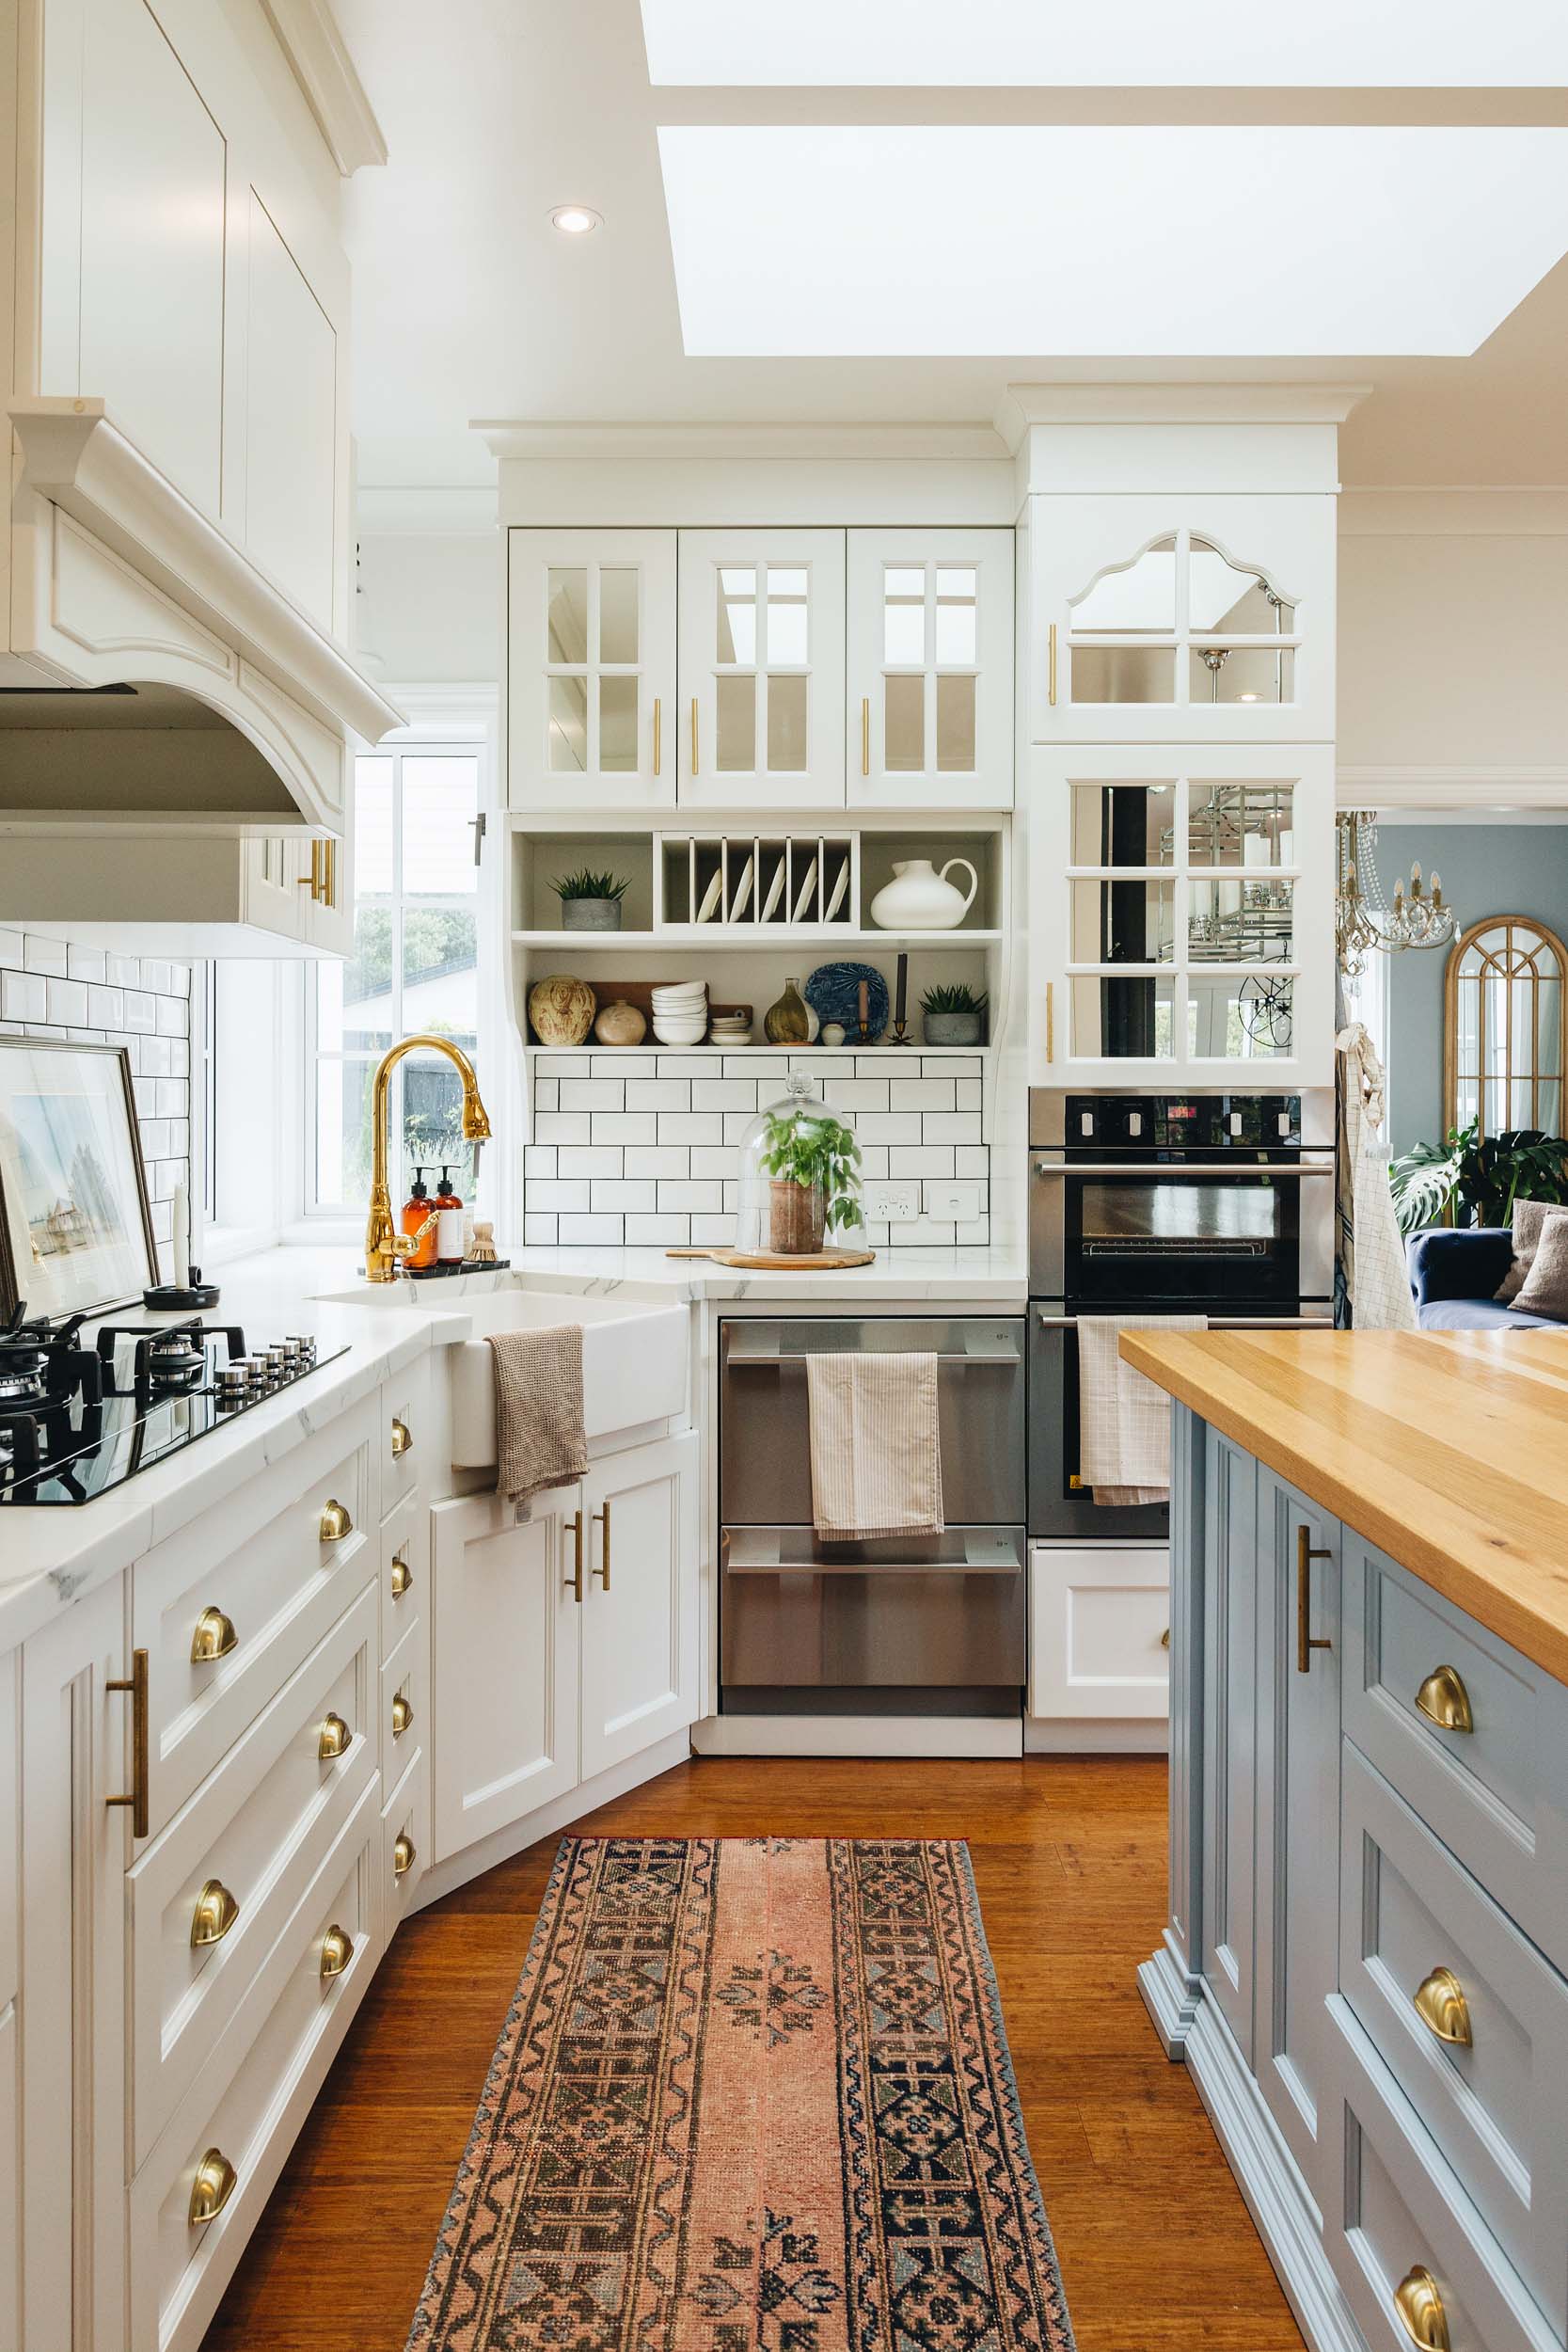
(575, 220)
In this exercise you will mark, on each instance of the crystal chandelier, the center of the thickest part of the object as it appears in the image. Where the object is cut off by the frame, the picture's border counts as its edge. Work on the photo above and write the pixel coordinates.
(1365, 922)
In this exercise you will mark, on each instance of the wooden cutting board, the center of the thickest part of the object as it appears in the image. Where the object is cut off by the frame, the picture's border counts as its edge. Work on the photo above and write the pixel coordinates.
(778, 1262)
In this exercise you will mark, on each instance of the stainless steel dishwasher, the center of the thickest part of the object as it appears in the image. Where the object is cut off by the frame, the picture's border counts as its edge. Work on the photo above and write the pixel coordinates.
(932, 1624)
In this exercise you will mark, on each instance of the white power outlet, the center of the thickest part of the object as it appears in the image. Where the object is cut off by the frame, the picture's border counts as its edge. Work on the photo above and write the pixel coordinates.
(958, 1203)
(892, 1204)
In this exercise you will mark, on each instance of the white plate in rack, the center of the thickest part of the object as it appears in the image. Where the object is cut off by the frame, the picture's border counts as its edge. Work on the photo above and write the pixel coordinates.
(742, 898)
(775, 892)
(802, 897)
(710, 898)
(839, 888)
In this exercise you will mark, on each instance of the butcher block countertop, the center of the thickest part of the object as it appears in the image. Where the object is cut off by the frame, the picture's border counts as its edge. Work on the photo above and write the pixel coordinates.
(1448, 1449)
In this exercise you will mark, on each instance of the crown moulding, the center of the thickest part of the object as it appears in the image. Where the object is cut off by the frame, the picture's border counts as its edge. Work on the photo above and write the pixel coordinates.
(1025, 404)
(74, 455)
(308, 36)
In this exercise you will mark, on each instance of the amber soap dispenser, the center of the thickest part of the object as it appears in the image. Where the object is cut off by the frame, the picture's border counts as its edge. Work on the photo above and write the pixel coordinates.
(415, 1209)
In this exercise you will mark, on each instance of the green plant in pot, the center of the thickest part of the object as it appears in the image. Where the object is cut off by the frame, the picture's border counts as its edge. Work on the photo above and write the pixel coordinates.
(953, 1015)
(590, 901)
(1475, 1179)
(812, 1163)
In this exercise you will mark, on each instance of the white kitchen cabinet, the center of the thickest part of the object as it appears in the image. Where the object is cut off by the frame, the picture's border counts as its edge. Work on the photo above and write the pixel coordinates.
(1184, 617)
(640, 1602)
(10, 2012)
(1099, 1638)
(591, 669)
(762, 669)
(77, 1751)
(1179, 897)
(507, 1632)
(199, 890)
(929, 708)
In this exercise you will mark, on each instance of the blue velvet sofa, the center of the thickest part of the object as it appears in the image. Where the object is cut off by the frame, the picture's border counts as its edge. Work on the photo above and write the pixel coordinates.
(1454, 1274)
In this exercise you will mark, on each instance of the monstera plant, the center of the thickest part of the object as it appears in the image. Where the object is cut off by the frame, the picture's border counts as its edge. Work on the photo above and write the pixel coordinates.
(1475, 1179)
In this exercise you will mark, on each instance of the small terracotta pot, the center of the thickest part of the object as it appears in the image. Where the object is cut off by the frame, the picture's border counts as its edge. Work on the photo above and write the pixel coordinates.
(797, 1219)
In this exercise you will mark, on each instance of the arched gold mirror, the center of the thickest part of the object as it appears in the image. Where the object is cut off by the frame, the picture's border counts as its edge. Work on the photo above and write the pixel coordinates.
(1504, 1036)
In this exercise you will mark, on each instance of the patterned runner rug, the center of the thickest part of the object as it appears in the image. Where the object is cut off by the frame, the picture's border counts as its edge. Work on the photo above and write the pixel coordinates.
(753, 2096)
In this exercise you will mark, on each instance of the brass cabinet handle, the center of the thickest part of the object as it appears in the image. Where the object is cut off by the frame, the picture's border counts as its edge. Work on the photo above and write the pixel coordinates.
(312, 881)
(214, 2183)
(1050, 1021)
(1443, 1700)
(693, 734)
(659, 731)
(865, 735)
(1165, 1639)
(334, 1523)
(1306, 1552)
(603, 1571)
(215, 1637)
(329, 861)
(401, 1441)
(403, 1714)
(573, 1583)
(403, 1576)
(1441, 2006)
(137, 1683)
(1051, 667)
(403, 1854)
(337, 1950)
(1419, 2310)
(336, 1739)
(216, 1912)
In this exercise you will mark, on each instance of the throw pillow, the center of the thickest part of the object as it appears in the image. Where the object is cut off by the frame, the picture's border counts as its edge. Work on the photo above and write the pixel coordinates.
(1528, 1218)
(1544, 1290)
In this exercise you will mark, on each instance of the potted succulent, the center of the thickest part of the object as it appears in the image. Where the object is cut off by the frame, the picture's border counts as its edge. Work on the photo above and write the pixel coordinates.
(813, 1162)
(589, 902)
(953, 1015)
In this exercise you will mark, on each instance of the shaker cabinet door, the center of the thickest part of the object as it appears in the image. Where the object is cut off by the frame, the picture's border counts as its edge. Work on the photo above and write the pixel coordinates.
(1228, 1718)
(640, 1605)
(929, 712)
(762, 669)
(591, 669)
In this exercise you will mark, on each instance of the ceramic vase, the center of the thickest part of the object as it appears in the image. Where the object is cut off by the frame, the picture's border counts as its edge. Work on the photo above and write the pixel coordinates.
(787, 1022)
(561, 1009)
(918, 898)
(620, 1024)
(590, 915)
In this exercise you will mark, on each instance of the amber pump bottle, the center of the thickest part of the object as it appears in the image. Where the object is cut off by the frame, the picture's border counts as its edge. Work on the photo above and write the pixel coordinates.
(449, 1230)
(417, 1206)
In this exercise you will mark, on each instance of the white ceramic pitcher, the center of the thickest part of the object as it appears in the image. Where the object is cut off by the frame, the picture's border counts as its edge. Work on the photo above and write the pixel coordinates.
(918, 898)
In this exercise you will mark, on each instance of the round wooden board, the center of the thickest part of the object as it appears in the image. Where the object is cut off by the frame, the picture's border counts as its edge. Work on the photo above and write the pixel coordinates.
(775, 1262)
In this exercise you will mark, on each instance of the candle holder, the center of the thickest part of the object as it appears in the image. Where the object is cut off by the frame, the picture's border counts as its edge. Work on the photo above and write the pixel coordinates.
(166, 1299)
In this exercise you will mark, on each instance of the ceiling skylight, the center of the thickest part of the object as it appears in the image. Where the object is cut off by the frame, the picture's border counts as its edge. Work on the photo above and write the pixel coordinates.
(1107, 241)
(1228, 44)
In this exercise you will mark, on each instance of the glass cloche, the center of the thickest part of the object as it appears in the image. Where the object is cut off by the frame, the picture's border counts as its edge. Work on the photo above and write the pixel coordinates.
(799, 1178)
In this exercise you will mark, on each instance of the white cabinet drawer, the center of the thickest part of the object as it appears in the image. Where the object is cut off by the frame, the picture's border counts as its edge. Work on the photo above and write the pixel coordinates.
(1493, 2101)
(250, 1840)
(405, 1571)
(407, 1433)
(1099, 1624)
(269, 1568)
(404, 1842)
(1400, 2211)
(1496, 1794)
(404, 1706)
(247, 2108)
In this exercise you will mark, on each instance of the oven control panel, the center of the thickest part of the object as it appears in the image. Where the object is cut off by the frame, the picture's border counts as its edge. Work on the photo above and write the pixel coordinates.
(1197, 1122)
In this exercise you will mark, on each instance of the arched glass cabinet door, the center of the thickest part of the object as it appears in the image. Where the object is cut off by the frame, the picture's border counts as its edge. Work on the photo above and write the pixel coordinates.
(1505, 1026)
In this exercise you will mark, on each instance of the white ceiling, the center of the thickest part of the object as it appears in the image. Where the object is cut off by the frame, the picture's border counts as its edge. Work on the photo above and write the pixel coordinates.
(468, 304)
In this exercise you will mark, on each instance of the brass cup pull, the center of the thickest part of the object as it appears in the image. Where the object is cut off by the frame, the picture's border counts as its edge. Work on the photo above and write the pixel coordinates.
(1050, 1021)
(1165, 1639)
(1441, 2006)
(1306, 1642)
(335, 1740)
(334, 1523)
(573, 1583)
(1443, 1700)
(403, 1855)
(215, 1637)
(402, 1715)
(403, 1576)
(214, 2183)
(216, 1912)
(401, 1441)
(603, 1570)
(1419, 2309)
(137, 1796)
(337, 1950)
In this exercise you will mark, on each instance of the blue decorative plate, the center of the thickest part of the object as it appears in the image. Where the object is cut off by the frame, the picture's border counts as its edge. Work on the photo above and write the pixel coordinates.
(833, 994)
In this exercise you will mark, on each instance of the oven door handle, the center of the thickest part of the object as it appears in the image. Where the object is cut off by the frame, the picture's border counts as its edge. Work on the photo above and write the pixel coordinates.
(1143, 1170)
(1213, 1323)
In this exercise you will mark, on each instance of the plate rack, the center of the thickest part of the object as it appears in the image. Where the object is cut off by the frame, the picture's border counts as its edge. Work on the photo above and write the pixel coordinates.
(747, 885)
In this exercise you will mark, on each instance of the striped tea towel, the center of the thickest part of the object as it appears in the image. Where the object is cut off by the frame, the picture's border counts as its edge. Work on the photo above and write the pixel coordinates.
(876, 1454)
(1123, 1419)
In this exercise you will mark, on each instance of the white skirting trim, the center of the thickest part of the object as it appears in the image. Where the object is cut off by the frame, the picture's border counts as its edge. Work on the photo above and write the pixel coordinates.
(857, 1735)
(550, 1819)
(1067, 1736)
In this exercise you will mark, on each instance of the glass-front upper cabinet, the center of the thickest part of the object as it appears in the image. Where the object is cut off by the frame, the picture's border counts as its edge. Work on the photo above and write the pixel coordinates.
(929, 716)
(762, 669)
(1180, 619)
(591, 669)
(1182, 918)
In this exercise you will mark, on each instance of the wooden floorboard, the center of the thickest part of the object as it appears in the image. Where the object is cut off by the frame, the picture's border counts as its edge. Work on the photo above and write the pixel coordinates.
(1157, 2252)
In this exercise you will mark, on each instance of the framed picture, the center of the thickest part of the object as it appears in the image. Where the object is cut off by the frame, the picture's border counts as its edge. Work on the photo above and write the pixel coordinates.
(76, 1228)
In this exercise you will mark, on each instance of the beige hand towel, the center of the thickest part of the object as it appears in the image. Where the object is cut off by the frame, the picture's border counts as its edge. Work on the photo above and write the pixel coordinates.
(876, 1451)
(540, 1440)
(1123, 1419)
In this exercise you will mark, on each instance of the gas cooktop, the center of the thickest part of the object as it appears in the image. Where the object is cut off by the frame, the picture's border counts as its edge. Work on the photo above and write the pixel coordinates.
(76, 1421)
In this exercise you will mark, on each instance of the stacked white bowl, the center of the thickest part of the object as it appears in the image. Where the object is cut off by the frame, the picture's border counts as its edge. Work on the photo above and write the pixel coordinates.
(680, 1013)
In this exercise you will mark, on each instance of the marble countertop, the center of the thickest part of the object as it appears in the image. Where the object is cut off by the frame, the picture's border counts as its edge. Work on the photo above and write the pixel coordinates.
(1444, 1448)
(991, 1275)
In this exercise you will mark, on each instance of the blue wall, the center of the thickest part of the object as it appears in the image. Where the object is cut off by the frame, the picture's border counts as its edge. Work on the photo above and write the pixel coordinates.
(1486, 869)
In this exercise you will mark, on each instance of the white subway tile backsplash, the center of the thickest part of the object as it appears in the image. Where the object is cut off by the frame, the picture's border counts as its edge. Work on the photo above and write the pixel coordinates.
(141, 1011)
(622, 1061)
(658, 1233)
(659, 1094)
(561, 1127)
(734, 1123)
(856, 1094)
(569, 1065)
(546, 1094)
(67, 1003)
(953, 1127)
(685, 1065)
(122, 971)
(11, 946)
(588, 1160)
(922, 1094)
(711, 1159)
(970, 1093)
(888, 1127)
(972, 1159)
(624, 1194)
(691, 1127)
(44, 955)
(172, 1098)
(659, 1159)
(539, 1159)
(674, 1193)
(724, 1094)
(713, 1232)
(539, 1229)
(174, 1016)
(555, 1193)
(82, 964)
(106, 1008)
(624, 1127)
(592, 1094)
(23, 996)
(610, 1231)
(923, 1159)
